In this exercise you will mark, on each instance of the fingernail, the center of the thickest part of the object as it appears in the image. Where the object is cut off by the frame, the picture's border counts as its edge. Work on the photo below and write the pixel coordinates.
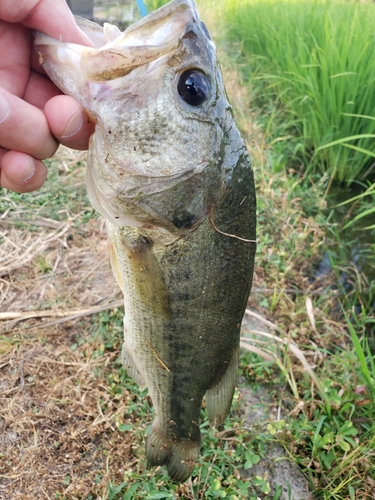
(4, 108)
(74, 125)
(29, 171)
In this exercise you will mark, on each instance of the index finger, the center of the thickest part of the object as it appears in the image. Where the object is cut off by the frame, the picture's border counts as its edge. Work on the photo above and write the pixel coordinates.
(52, 17)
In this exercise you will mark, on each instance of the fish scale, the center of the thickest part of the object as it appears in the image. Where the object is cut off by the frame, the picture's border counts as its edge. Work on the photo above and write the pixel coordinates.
(168, 169)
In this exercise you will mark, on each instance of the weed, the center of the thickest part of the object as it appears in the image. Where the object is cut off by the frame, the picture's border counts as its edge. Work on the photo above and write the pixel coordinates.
(367, 196)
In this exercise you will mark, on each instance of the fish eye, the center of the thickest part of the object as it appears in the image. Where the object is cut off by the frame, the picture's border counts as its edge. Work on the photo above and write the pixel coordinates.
(193, 87)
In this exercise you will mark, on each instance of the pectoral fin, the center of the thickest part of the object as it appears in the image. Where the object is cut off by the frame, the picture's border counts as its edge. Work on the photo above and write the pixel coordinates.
(148, 278)
(132, 259)
(219, 397)
(115, 265)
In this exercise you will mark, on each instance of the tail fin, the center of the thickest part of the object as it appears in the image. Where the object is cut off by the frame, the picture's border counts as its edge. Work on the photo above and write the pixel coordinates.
(179, 456)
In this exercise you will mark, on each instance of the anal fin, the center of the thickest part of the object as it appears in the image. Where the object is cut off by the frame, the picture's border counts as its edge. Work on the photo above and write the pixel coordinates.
(219, 398)
(131, 368)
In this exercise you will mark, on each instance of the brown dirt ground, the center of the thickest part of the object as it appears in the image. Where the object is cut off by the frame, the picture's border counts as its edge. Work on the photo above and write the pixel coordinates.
(54, 434)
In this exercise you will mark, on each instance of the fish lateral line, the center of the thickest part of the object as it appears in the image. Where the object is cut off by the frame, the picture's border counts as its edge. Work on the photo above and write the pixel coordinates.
(227, 234)
(162, 364)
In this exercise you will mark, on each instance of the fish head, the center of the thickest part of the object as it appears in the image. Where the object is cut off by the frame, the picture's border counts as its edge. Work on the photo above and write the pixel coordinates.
(157, 96)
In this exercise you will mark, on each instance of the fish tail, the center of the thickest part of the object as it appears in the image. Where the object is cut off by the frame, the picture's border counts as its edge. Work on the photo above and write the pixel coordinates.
(157, 446)
(183, 458)
(180, 457)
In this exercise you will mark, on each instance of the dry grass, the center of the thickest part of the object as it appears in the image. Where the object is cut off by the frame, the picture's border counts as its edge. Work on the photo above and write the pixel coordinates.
(62, 265)
(55, 436)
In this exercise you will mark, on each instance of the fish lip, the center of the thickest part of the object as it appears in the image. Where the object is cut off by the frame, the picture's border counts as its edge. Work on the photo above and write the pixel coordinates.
(171, 8)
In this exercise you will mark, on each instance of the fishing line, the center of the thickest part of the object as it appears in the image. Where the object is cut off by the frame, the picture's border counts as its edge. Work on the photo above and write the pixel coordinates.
(227, 234)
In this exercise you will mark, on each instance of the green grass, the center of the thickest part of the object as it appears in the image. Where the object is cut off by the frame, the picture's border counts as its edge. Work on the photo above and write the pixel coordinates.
(332, 442)
(223, 451)
(314, 59)
(330, 436)
(154, 4)
(61, 198)
(367, 197)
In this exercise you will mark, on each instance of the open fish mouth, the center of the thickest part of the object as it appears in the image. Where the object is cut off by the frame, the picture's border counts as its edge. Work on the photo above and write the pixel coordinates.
(115, 53)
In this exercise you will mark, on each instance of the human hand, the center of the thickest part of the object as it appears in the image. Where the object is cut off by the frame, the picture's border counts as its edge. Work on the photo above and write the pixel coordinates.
(34, 116)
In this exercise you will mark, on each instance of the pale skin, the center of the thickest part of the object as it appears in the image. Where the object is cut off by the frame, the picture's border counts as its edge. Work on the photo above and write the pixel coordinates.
(34, 116)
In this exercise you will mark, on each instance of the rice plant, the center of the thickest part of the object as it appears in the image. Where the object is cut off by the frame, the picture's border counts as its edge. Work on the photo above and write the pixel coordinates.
(315, 58)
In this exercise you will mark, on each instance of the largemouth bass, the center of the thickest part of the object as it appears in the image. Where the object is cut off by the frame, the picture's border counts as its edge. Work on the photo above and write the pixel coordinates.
(169, 171)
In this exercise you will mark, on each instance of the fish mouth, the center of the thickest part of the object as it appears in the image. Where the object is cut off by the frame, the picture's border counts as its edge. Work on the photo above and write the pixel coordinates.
(145, 41)
(115, 53)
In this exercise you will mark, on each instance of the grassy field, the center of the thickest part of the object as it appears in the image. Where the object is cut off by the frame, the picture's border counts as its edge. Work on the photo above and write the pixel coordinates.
(73, 424)
(332, 431)
(309, 67)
